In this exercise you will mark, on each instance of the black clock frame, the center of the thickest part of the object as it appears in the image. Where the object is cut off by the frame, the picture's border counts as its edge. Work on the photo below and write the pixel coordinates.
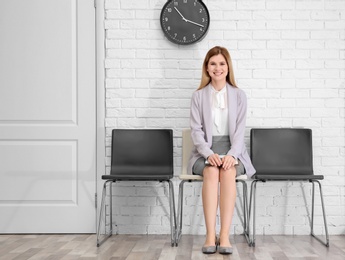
(183, 25)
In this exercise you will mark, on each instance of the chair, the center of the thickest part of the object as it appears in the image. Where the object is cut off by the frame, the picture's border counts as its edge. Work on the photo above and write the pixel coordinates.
(284, 154)
(139, 155)
(187, 146)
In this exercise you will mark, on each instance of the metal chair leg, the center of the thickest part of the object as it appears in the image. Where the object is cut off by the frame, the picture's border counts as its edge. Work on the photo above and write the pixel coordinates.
(246, 224)
(245, 205)
(326, 243)
(179, 213)
(245, 211)
(252, 198)
(104, 193)
(172, 213)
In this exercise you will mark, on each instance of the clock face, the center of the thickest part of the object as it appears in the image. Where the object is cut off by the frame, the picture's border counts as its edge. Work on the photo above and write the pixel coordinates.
(185, 21)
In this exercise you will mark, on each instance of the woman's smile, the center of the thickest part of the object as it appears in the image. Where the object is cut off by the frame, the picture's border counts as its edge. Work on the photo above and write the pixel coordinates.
(218, 73)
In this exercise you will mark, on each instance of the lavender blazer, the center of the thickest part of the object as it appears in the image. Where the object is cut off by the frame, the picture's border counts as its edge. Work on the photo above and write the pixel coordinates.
(201, 126)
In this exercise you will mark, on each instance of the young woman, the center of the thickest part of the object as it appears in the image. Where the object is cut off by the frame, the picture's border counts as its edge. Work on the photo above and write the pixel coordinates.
(218, 116)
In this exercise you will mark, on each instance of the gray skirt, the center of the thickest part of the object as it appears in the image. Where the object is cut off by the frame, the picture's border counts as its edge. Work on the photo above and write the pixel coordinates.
(220, 145)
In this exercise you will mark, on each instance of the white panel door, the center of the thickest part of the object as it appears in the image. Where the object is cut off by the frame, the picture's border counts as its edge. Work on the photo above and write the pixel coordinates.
(47, 116)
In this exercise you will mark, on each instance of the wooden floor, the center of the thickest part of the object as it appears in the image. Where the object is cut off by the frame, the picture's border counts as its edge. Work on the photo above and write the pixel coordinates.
(136, 247)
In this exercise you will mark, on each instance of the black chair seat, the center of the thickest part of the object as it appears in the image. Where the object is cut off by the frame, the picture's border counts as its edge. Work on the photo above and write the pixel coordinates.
(146, 171)
(287, 177)
(138, 177)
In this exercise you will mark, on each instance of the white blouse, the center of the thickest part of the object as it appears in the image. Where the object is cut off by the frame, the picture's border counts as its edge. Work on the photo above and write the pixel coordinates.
(220, 111)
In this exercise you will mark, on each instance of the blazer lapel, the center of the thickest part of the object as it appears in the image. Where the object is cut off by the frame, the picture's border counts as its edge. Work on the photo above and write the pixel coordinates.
(232, 106)
(207, 112)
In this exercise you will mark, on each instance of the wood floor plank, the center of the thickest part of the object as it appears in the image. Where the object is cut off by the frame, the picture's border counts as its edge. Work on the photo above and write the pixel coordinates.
(157, 247)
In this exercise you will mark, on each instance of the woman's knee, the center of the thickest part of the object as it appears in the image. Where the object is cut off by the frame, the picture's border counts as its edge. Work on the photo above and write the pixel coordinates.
(228, 174)
(211, 173)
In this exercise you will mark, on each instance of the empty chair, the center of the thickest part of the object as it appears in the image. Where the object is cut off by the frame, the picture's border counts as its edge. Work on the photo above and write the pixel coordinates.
(284, 154)
(139, 155)
(187, 145)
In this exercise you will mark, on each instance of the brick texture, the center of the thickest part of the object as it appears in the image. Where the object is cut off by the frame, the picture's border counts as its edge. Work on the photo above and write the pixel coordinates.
(289, 58)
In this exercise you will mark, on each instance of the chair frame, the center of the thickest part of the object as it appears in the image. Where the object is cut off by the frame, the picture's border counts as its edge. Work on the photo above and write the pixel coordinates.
(107, 188)
(312, 181)
(109, 184)
(184, 177)
(253, 198)
(195, 178)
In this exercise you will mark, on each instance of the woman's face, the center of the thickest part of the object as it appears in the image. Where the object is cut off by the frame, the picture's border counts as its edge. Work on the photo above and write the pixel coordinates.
(217, 68)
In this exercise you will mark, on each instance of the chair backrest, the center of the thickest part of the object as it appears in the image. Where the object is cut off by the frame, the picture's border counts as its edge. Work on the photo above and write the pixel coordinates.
(187, 146)
(281, 151)
(142, 153)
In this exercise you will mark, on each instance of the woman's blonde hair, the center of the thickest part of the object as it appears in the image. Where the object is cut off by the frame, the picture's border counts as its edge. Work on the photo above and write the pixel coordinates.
(205, 78)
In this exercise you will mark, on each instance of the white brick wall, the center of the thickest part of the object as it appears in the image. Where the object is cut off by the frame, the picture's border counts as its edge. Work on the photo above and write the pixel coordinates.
(289, 57)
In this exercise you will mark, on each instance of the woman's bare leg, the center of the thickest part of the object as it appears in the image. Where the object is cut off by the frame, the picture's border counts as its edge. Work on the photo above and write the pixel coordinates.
(210, 202)
(227, 179)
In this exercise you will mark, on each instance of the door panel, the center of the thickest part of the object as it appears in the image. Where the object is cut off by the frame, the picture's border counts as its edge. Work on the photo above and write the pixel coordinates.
(38, 53)
(47, 116)
(50, 179)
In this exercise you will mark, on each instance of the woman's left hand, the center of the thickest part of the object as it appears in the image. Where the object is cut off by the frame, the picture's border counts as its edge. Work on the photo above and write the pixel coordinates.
(228, 161)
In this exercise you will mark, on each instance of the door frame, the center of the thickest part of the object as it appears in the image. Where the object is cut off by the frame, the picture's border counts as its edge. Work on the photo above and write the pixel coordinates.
(100, 101)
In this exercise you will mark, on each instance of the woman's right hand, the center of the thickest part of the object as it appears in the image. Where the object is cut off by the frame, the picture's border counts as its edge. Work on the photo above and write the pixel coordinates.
(214, 160)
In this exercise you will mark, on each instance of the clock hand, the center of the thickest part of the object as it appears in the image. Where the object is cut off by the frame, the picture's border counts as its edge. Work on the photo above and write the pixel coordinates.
(180, 14)
(189, 21)
(186, 20)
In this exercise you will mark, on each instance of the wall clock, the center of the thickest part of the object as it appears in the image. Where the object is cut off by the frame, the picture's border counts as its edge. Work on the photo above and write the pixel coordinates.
(185, 21)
